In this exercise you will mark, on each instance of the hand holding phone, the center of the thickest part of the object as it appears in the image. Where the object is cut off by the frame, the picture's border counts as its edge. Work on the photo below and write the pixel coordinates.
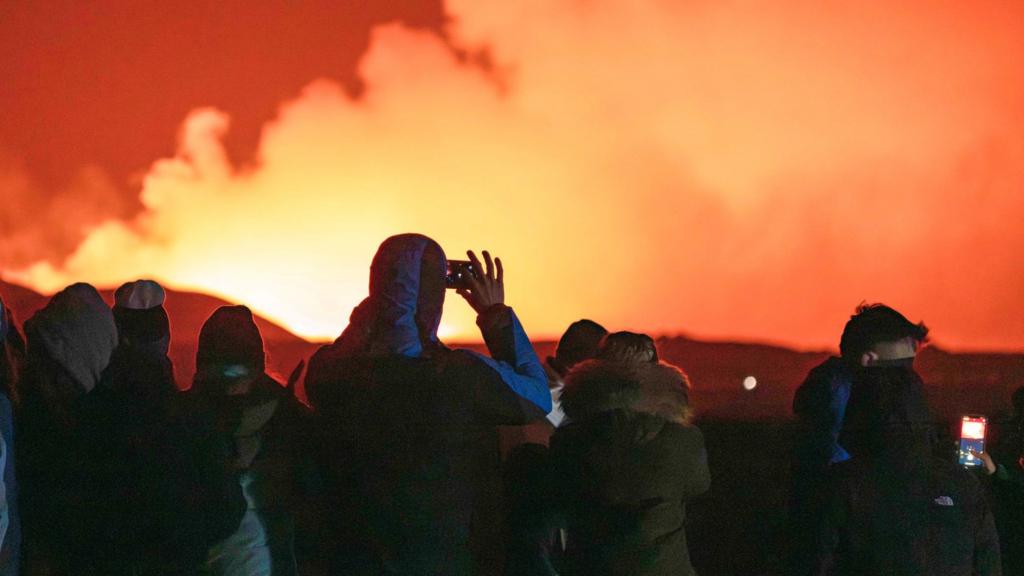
(484, 285)
(972, 440)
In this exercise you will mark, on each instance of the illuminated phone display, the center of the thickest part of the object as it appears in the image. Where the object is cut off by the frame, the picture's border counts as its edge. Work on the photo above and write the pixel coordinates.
(972, 437)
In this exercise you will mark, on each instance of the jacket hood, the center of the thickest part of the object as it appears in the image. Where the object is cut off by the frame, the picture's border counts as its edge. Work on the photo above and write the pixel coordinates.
(77, 331)
(655, 388)
(887, 414)
(403, 311)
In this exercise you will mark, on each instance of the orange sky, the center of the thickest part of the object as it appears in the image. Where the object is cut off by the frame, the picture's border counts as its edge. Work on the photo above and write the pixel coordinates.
(729, 170)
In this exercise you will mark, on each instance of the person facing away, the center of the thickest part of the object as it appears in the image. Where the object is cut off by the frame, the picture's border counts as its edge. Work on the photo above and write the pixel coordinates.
(533, 541)
(626, 462)
(876, 335)
(269, 434)
(411, 424)
(11, 351)
(579, 342)
(178, 494)
(68, 525)
(893, 507)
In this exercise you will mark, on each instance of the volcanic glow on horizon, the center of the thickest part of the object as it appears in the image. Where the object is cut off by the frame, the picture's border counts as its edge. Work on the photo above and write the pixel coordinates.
(730, 170)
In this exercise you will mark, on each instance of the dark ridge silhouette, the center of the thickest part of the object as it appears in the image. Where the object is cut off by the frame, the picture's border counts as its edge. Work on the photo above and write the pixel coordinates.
(187, 312)
(957, 383)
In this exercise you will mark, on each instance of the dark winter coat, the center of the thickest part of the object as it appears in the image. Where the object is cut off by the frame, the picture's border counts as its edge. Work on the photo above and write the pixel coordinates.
(624, 466)
(70, 343)
(269, 434)
(894, 508)
(165, 470)
(410, 425)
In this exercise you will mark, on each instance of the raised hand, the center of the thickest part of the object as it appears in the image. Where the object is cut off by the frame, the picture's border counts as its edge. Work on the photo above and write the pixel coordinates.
(486, 288)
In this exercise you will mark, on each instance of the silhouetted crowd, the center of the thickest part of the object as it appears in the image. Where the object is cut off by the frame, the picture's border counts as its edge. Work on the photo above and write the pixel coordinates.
(413, 458)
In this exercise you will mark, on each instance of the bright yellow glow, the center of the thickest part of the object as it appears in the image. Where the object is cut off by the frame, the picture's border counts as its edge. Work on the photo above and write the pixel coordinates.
(729, 169)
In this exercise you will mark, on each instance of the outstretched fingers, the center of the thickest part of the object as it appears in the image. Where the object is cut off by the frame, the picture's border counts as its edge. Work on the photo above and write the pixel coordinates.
(490, 265)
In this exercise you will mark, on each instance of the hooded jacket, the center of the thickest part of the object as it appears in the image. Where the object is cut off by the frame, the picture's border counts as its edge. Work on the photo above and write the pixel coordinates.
(624, 466)
(896, 509)
(410, 424)
(77, 332)
(60, 466)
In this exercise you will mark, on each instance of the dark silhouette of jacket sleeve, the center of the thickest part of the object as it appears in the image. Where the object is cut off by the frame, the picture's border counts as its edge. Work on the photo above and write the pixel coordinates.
(512, 385)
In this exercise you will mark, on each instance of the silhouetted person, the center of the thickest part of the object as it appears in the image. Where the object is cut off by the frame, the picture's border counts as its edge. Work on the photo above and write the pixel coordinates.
(176, 493)
(876, 335)
(579, 342)
(143, 327)
(68, 526)
(414, 463)
(893, 507)
(626, 462)
(533, 541)
(11, 351)
(271, 443)
(1004, 464)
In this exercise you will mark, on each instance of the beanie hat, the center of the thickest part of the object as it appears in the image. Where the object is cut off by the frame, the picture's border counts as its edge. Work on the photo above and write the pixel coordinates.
(230, 337)
(139, 295)
(140, 314)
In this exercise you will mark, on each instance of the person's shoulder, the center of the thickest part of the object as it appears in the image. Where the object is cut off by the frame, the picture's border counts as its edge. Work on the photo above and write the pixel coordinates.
(829, 369)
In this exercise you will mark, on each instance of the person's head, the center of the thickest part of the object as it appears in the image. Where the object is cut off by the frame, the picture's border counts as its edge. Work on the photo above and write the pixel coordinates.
(230, 356)
(142, 322)
(877, 335)
(74, 332)
(628, 347)
(403, 311)
(580, 342)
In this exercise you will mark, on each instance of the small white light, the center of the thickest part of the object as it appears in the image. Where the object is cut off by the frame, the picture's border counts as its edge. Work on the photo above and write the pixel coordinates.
(749, 383)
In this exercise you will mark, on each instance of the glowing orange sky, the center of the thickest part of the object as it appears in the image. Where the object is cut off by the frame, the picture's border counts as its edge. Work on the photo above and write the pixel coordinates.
(726, 170)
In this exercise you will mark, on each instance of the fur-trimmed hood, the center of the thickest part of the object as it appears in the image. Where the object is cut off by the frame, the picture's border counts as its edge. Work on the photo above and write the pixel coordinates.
(655, 388)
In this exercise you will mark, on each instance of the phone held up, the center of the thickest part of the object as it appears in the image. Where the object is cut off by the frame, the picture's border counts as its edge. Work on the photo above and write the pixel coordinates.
(972, 438)
(459, 273)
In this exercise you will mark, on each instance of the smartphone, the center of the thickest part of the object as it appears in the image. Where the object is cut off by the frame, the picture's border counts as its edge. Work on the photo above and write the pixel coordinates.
(459, 272)
(972, 437)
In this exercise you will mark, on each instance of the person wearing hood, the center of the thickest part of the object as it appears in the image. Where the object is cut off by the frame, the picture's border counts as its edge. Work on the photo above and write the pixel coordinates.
(894, 508)
(876, 335)
(626, 462)
(411, 424)
(65, 524)
(10, 520)
(270, 437)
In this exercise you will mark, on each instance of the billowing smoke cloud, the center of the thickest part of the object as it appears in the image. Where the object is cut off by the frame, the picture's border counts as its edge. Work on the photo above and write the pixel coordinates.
(35, 226)
(730, 171)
